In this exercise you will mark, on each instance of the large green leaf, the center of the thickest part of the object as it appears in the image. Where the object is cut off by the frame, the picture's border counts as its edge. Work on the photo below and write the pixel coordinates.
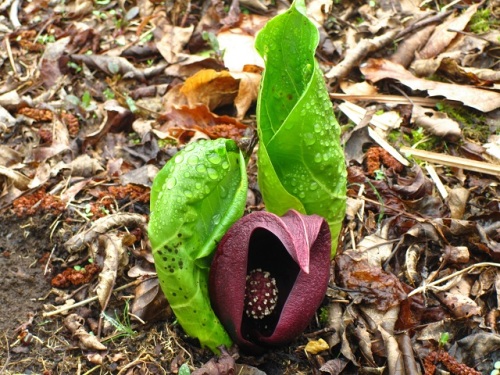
(195, 198)
(300, 160)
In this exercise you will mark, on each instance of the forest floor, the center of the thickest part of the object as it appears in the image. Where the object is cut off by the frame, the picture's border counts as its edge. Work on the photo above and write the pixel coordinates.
(95, 98)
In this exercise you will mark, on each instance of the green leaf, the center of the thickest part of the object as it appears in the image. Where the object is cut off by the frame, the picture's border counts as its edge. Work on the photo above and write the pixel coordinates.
(184, 370)
(300, 160)
(195, 198)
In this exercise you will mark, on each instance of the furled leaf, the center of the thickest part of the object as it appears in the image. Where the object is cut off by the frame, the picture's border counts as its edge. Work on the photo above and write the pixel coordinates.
(301, 163)
(195, 198)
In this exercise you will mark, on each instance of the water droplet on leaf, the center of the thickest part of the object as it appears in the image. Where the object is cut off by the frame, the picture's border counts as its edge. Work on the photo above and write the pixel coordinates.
(192, 160)
(201, 168)
(214, 158)
(212, 173)
(309, 139)
(179, 158)
(171, 182)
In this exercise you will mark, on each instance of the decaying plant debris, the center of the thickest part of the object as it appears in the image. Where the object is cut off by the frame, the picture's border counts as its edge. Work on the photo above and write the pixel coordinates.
(95, 97)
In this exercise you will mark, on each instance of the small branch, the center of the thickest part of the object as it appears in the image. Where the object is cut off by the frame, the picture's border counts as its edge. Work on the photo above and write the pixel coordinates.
(87, 301)
(454, 274)
(390, 99)
(437, 181)
(11, 58)
(423, 23)
(453, 161)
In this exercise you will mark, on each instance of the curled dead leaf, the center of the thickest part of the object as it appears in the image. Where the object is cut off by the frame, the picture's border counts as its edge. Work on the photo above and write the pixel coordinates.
(248, 91)
(19, 180)
(74, 323)
(437, 123)
(102, 226)
(211, 88)
(115, 257)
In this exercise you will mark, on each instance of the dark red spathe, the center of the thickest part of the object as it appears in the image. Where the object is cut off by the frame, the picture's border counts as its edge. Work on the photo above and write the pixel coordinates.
(295, 249)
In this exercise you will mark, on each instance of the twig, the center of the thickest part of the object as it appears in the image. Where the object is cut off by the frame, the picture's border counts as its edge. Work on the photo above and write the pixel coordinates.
(7, 360)
(437, 181)
(88, 300)
(453, 161)
(423, 23)
(390, 99)
(454, 274)
(48, 261)
(11, 58)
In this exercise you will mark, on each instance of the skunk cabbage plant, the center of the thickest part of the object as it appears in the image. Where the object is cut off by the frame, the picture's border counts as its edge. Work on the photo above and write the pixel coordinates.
(269, 275)
(195, 198)
(300, 161)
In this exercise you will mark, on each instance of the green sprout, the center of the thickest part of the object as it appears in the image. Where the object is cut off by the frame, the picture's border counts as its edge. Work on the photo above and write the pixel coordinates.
(131, 104)
(123, 326)
(379, 175)
(44, 39)
(75, 66)
(213, 42)
(100, 15)
(184, 369)
(146, 37)
(108, 94)
(443, 339)
(86, 99)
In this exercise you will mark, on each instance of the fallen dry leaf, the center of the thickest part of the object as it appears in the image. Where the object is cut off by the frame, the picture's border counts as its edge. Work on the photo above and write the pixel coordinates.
(170, 40)
(446, 32)
(19, 180)
(210, 88)
(334, 366)
(375, 285)
(405, 53)
(201, 119)
(483, 100)
(461, 306)
(74, 323)
(115, 258)
(316, 346)
(150, 304)
(239, 50)
(223, 365)
(111, 65)
(437, 123)
(248, 91)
